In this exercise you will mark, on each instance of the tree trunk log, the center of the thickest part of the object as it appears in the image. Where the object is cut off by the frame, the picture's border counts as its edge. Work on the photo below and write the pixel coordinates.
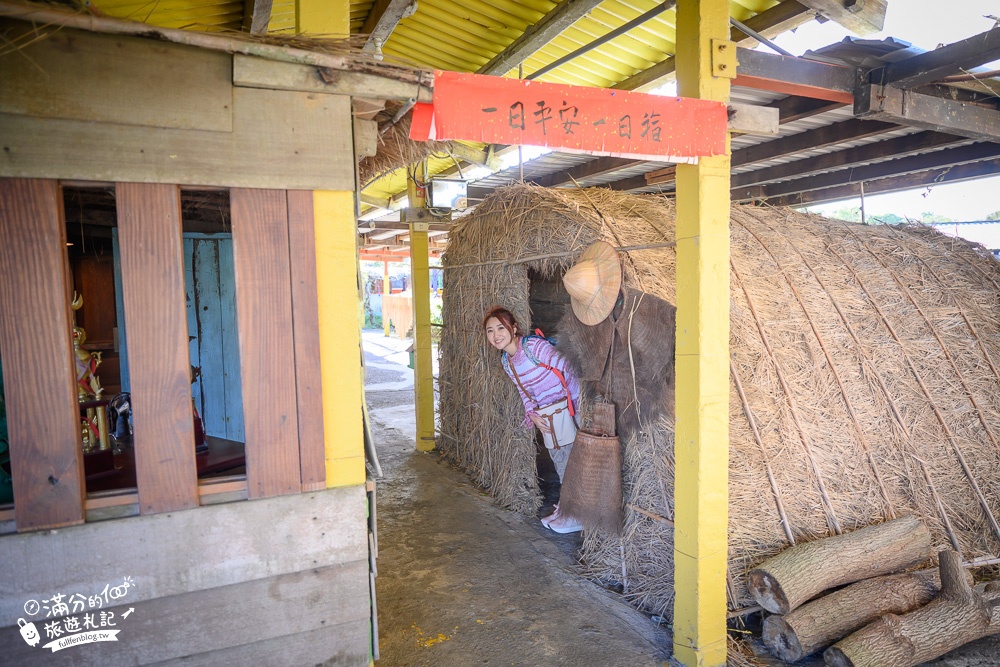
(817, 624)
(955, 617)
(782, 583)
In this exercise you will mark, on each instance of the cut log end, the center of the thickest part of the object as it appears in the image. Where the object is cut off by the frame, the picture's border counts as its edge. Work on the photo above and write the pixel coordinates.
(781, 639)
(767, 592)
(834, 657)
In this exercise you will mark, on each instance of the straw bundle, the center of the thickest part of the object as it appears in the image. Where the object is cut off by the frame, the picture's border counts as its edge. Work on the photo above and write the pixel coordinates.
(395, 149)
(864, 377)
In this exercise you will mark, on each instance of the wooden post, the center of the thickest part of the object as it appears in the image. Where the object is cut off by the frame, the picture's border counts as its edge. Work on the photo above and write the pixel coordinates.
(386, 289)
(423, 371)
(267, 350)
(701, 446)
(305, 323)
(152, 260)
(39, 373)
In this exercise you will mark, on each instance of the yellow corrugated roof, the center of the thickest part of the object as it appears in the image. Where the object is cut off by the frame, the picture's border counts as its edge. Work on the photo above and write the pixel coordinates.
(208, 16)
(463, 35)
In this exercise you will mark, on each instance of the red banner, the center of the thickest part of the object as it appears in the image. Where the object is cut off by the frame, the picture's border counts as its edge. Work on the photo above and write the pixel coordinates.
(599, 121)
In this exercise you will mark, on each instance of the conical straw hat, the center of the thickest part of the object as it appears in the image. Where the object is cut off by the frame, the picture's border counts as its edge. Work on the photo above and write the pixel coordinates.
(593, 283)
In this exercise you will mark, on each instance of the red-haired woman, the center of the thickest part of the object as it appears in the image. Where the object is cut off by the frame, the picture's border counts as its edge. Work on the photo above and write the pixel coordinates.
(549, 390)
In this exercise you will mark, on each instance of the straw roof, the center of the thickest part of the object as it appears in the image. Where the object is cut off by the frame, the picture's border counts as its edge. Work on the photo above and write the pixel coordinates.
(864, 377)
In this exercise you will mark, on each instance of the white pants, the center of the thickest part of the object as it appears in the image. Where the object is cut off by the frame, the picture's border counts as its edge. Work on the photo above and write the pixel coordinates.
(558, 443)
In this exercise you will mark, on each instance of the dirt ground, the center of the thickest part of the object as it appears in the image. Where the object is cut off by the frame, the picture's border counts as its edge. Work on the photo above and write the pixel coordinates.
(462, 582)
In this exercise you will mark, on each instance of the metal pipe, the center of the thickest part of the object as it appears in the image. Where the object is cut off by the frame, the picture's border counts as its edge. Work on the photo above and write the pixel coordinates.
(600, 41)
(750, 32)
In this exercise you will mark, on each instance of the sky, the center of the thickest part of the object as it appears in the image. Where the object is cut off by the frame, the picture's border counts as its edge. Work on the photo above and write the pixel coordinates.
(926, 24)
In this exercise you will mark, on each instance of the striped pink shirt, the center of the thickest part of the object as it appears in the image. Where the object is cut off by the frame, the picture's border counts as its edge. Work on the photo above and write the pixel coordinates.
(542, 385)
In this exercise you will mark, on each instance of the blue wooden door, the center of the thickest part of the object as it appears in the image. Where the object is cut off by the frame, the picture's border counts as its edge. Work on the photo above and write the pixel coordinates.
(210, 285)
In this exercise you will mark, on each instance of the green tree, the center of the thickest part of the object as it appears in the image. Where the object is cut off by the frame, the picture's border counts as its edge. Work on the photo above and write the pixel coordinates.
(995, 215)
(886, 219)
(928, 217)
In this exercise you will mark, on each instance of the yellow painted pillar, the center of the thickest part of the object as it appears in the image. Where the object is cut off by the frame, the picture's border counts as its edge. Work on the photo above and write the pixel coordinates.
(420, 284)
(340, 336)
(386, 290)
(701, 446)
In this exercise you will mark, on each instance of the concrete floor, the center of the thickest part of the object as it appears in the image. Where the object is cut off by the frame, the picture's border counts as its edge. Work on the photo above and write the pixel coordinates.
(462, 582)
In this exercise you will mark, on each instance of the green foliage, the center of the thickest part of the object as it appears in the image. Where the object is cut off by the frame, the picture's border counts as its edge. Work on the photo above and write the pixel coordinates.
(927, 217)
(995, 215)
(886, 219)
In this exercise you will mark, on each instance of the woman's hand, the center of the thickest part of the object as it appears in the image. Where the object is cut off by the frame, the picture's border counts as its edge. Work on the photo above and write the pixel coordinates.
(540, 422)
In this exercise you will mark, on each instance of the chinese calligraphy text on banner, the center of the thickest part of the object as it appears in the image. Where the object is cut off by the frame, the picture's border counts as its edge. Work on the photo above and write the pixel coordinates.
(489, 109)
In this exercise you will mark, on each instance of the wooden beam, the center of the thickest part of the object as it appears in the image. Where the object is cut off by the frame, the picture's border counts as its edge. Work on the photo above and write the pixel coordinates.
(907, 107)
(536, 36)
(912, 164)
(253, 72)
(955, 58)
(769, 23)
(264, 314)
(383, 18)
(795, 76)
(793, 107)
(859, 155)
(862, 17)
(39, 371)
(485, 157)
(951, 174)
(378, 202)
(256, 16)
(152, 261)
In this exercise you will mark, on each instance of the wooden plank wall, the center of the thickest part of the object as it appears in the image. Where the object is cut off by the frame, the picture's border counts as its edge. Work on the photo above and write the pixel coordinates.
(244, 583)
(305, 316)
(38, 365)
(267, 351)
(149, 224)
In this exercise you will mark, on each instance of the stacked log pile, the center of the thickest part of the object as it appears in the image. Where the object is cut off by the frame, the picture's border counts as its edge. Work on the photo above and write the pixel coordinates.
(879, 616)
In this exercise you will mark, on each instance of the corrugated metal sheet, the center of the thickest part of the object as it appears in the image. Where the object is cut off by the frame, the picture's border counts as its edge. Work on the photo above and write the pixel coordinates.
(282, 17)
(464, 36)
(206, 16)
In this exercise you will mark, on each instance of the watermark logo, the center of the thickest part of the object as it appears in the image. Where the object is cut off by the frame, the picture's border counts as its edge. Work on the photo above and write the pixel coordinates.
(77, 619)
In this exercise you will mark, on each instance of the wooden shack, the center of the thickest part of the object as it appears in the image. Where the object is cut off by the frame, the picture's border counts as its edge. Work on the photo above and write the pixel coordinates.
(268, 561)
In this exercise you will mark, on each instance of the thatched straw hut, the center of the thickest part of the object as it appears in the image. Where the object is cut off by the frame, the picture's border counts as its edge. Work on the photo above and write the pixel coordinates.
(864, 365)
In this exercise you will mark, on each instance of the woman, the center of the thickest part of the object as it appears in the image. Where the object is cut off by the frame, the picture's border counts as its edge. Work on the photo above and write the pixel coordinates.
(549, 390)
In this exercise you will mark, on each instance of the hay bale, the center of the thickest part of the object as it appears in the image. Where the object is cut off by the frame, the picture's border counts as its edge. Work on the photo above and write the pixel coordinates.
(864, 377)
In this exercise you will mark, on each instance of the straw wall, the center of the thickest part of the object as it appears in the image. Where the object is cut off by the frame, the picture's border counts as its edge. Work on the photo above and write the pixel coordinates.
(864, 377)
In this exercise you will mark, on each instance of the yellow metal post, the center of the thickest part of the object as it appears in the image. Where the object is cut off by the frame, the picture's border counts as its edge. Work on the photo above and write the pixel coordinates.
(386, 289)
(423, 373)
(704, 68)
